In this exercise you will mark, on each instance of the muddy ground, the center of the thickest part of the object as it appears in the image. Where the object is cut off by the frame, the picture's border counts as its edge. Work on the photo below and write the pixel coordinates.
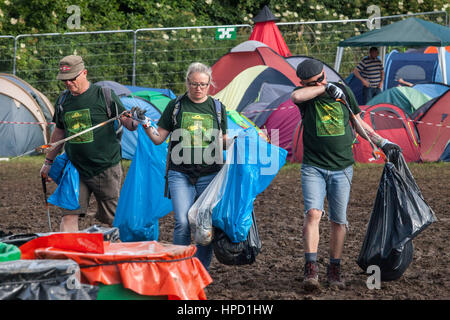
(278, 271)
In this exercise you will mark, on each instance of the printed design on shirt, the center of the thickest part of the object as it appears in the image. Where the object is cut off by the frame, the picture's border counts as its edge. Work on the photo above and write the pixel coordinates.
(329, 119)
(77, 121)
(198, 129)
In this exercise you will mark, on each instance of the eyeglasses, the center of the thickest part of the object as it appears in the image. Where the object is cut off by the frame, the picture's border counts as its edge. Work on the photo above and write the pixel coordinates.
(196, 85)
(74, 79)
(315, 82)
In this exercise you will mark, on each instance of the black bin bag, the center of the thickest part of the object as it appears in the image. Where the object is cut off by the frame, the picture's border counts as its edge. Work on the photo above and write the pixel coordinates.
(399, 214)
(43, 280)
(237, 253)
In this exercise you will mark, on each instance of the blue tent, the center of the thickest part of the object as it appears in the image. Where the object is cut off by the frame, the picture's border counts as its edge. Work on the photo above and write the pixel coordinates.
(130, 138)
(432, 90)
(413, 67)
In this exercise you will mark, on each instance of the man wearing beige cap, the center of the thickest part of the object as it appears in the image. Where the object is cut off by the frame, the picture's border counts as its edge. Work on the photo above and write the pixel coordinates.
(96, 154)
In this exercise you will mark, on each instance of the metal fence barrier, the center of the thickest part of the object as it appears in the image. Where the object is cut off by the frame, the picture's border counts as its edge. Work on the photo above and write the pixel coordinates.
(158, 57)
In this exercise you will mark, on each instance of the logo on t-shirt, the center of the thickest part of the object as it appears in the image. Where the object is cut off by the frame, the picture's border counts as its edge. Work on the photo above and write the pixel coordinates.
(199, 129)
(77, 121)
(330, 119)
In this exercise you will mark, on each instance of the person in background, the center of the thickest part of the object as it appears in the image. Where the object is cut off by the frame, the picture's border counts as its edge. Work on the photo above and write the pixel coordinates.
(193, 122)
(371, 73)
(96, 154)
(327, 164)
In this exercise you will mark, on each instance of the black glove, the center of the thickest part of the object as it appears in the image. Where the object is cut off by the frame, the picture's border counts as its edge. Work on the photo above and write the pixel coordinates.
(334, 91)
(388, 146)
(138, 114)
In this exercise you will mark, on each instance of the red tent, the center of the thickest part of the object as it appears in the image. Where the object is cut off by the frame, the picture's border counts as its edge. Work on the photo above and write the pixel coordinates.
(387, 120)
(392, 123)
(266, 31)
(433, 124)
(245, 55)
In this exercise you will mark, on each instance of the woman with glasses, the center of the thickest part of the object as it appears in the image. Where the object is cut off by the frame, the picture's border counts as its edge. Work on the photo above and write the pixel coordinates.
(196, 144)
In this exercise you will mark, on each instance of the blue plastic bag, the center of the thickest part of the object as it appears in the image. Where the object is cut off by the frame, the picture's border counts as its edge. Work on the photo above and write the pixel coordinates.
(66, 176)
(142, 202)
(255, 164)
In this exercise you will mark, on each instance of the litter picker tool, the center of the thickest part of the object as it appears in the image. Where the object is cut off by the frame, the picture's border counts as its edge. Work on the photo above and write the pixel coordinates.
(377, 154)
(44, 188)
(46, 148)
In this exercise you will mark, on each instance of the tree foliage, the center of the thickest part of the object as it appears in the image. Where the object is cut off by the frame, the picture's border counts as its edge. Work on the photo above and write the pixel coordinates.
(111, 56)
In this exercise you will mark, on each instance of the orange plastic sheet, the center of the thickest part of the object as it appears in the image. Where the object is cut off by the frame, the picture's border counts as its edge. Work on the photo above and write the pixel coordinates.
(148, 268)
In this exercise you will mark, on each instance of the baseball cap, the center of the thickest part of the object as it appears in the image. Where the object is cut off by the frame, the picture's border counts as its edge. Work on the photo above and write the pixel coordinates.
(309, 68)
(70, 67)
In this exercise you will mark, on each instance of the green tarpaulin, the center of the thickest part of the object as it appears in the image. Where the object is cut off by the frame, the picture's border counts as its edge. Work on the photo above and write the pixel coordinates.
(410, 32)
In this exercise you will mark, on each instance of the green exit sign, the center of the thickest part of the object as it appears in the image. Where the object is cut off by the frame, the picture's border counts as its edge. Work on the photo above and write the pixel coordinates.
(226, 33)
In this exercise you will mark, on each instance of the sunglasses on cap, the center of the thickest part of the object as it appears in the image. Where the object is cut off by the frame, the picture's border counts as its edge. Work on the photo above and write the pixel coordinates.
(315, 82)
(74, 79)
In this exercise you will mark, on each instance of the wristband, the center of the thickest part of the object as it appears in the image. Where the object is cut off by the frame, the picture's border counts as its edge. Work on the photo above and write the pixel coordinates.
(48, 161)
(384, 142)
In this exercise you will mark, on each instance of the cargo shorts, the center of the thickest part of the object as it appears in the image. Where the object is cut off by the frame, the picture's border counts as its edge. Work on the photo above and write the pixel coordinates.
(106, 188)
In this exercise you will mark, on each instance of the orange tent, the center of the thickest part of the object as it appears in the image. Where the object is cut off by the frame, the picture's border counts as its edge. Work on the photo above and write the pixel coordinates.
(435, 50)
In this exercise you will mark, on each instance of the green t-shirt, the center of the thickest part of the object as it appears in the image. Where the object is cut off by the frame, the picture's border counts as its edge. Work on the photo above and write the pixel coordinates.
(96, 150)
(327, 135)
(193, 138)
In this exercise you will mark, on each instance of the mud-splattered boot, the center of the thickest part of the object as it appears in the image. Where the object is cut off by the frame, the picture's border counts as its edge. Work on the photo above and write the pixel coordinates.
(311, 277)
(334, 276)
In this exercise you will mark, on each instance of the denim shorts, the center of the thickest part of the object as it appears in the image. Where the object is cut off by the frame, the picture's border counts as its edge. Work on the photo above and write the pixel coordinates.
(319, 183)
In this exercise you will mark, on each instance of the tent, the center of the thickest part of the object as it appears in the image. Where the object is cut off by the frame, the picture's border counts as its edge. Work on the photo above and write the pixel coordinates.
(390, 122)
(414, 68)
(433, 124)
(20, 102)
(245, 55)
(157, 98)
(409, 99)
(166, 92)
(119, 89)
(266, 31)
(412, 32)
(332, 75)
(276, 114)
(432, 90)
(154, 101)
(245, 87)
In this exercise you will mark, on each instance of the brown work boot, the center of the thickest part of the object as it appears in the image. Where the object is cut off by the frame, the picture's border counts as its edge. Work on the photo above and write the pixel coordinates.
(311, 277)
(334, 276)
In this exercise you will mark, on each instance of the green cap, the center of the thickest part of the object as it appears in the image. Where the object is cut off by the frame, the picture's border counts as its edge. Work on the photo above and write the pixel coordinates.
(70, 67)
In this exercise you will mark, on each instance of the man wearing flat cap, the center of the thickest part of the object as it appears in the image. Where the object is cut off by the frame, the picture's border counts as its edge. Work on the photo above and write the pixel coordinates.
(96, 154)
(327, 163)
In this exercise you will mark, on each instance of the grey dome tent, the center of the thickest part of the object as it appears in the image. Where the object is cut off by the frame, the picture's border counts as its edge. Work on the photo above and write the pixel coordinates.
(25, 117)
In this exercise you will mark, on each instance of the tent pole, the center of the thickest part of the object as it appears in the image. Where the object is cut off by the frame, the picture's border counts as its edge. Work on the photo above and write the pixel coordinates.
(442, 63)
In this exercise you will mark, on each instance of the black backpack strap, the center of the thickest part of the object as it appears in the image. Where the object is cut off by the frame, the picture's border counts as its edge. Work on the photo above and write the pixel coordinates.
(176, 110)
(62, 97)
(108, 100)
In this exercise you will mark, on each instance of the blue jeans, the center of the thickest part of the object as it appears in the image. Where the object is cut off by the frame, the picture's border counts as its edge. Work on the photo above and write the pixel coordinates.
(183, 195)
(369, 93)
(335, 185)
